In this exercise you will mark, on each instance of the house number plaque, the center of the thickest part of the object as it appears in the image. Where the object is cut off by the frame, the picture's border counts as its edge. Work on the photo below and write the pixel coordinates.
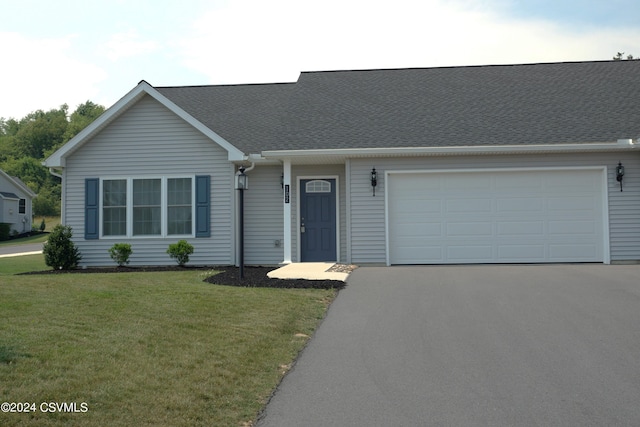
(286, 193)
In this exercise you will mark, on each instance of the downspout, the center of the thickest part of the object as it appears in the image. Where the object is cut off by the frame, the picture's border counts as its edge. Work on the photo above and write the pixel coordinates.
(54, 173)
(250, 168)
(62, 198)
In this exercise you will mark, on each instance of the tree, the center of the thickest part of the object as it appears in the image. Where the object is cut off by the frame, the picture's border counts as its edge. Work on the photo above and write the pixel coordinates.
(25, 143)
(619, 56)
(81, 118)
(39, 131)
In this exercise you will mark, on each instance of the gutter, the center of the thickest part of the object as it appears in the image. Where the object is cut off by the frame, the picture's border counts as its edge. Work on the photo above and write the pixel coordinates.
(621, 144)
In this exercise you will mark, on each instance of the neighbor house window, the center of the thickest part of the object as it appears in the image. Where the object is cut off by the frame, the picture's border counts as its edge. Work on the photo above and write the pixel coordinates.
(22, 206)
(114, 207)
(147, 207)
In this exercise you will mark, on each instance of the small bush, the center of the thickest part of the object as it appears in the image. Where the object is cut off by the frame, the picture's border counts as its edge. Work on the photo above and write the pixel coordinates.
(180, 252)
(60, 253)
(5, 230)
(43, 225)
(120, 253)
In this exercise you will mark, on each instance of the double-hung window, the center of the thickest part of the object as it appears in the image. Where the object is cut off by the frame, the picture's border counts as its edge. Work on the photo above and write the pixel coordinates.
(114, 207)
(147, 207)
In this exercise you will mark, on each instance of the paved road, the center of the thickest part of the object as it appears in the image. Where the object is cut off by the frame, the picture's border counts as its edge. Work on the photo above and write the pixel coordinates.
(17, 249)
(554, 345)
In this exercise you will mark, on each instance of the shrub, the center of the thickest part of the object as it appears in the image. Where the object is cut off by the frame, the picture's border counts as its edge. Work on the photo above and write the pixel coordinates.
(120, 253)
(180, 252)
(60, 253)
(43, 225)
(5, 229)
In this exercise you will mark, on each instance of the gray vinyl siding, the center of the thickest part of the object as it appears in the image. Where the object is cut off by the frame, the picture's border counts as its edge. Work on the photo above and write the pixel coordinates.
(367, 215)
(150, 141)
(313, 171)
(263, 217)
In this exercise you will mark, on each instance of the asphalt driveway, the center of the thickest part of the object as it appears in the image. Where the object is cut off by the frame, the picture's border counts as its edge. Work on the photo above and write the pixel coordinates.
(548, 345)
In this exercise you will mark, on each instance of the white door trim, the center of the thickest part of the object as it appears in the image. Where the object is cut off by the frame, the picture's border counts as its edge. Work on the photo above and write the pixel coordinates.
(298, 223)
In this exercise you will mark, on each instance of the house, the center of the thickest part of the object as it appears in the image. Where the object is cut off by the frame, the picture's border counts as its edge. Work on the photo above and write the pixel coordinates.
(532, 163)
(15, 204)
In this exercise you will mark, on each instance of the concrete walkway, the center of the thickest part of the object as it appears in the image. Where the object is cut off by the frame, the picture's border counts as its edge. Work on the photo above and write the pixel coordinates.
(308, 271)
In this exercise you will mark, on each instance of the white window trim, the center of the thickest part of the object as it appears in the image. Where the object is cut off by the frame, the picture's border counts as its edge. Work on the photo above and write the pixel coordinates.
(164, 207)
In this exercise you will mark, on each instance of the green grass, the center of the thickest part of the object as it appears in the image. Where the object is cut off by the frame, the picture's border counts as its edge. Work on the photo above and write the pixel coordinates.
(50, 223)
(39, 238)
(145, 349)
(20, 264)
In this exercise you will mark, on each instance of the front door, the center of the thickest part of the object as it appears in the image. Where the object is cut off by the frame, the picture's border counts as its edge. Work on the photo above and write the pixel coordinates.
(318, 220)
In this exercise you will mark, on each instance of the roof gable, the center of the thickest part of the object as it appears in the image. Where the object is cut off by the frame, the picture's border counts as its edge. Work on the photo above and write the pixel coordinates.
(57, 159)
(17, 184)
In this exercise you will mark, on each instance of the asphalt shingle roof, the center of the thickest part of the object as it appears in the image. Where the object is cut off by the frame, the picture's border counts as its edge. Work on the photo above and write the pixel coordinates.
(575, 102)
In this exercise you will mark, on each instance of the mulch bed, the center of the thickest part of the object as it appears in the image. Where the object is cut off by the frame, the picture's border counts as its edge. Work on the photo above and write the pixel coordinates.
(254, 277)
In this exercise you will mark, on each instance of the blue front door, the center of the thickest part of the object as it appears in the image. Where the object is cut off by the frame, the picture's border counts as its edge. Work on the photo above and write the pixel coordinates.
(318, 220)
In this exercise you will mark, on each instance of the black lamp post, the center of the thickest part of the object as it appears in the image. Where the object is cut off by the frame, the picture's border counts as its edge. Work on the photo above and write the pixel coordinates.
(241, 185)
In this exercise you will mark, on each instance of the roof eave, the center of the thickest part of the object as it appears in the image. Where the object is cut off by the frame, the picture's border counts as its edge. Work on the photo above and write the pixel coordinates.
(446, 151)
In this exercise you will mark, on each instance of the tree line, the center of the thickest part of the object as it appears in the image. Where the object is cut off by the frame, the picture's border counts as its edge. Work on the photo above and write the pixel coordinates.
(25, 143)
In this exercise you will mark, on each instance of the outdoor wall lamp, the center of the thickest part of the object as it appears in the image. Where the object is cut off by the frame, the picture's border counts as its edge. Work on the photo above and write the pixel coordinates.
(242, 181)
(620, 174)
(374, 180)
(282, 181)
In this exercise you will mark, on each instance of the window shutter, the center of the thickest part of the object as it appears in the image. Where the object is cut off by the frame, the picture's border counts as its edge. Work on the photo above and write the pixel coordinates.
(91, 204)
(203, 206)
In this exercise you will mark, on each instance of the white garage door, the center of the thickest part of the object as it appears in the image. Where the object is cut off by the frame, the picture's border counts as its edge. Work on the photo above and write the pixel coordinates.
(509, 216)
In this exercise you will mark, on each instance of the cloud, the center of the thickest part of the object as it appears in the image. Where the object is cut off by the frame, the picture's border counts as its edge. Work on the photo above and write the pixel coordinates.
(255, 41)
(43, 74)
(128, 44)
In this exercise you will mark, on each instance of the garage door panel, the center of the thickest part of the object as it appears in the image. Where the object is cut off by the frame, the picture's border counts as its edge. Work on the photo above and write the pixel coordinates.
(523, 205)
(531, 182)
(574, 252)
(520, 228)
(460, 183)
(456, 229)
(573, 227)
(470, 253)
(522, 253)
(468, 205)
(496, 216)
(572, 204)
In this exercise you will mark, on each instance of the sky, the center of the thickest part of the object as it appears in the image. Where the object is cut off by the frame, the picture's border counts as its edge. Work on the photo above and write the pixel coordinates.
(71, 51)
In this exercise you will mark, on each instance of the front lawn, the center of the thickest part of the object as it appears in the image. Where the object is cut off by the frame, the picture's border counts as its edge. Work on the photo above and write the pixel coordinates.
(145, 349)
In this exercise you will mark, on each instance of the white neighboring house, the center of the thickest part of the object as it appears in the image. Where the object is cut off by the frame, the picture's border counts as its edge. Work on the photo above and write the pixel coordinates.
(15, 203)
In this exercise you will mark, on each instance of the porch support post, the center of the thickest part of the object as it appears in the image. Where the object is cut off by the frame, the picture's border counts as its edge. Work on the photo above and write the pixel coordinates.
(286, 203)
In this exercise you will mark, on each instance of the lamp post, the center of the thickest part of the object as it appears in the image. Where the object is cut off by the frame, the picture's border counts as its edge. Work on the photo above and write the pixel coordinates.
(241, 185)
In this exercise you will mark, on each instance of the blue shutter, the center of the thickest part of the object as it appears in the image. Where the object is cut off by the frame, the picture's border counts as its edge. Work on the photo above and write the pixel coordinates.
(203, 206)
(91, 204)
